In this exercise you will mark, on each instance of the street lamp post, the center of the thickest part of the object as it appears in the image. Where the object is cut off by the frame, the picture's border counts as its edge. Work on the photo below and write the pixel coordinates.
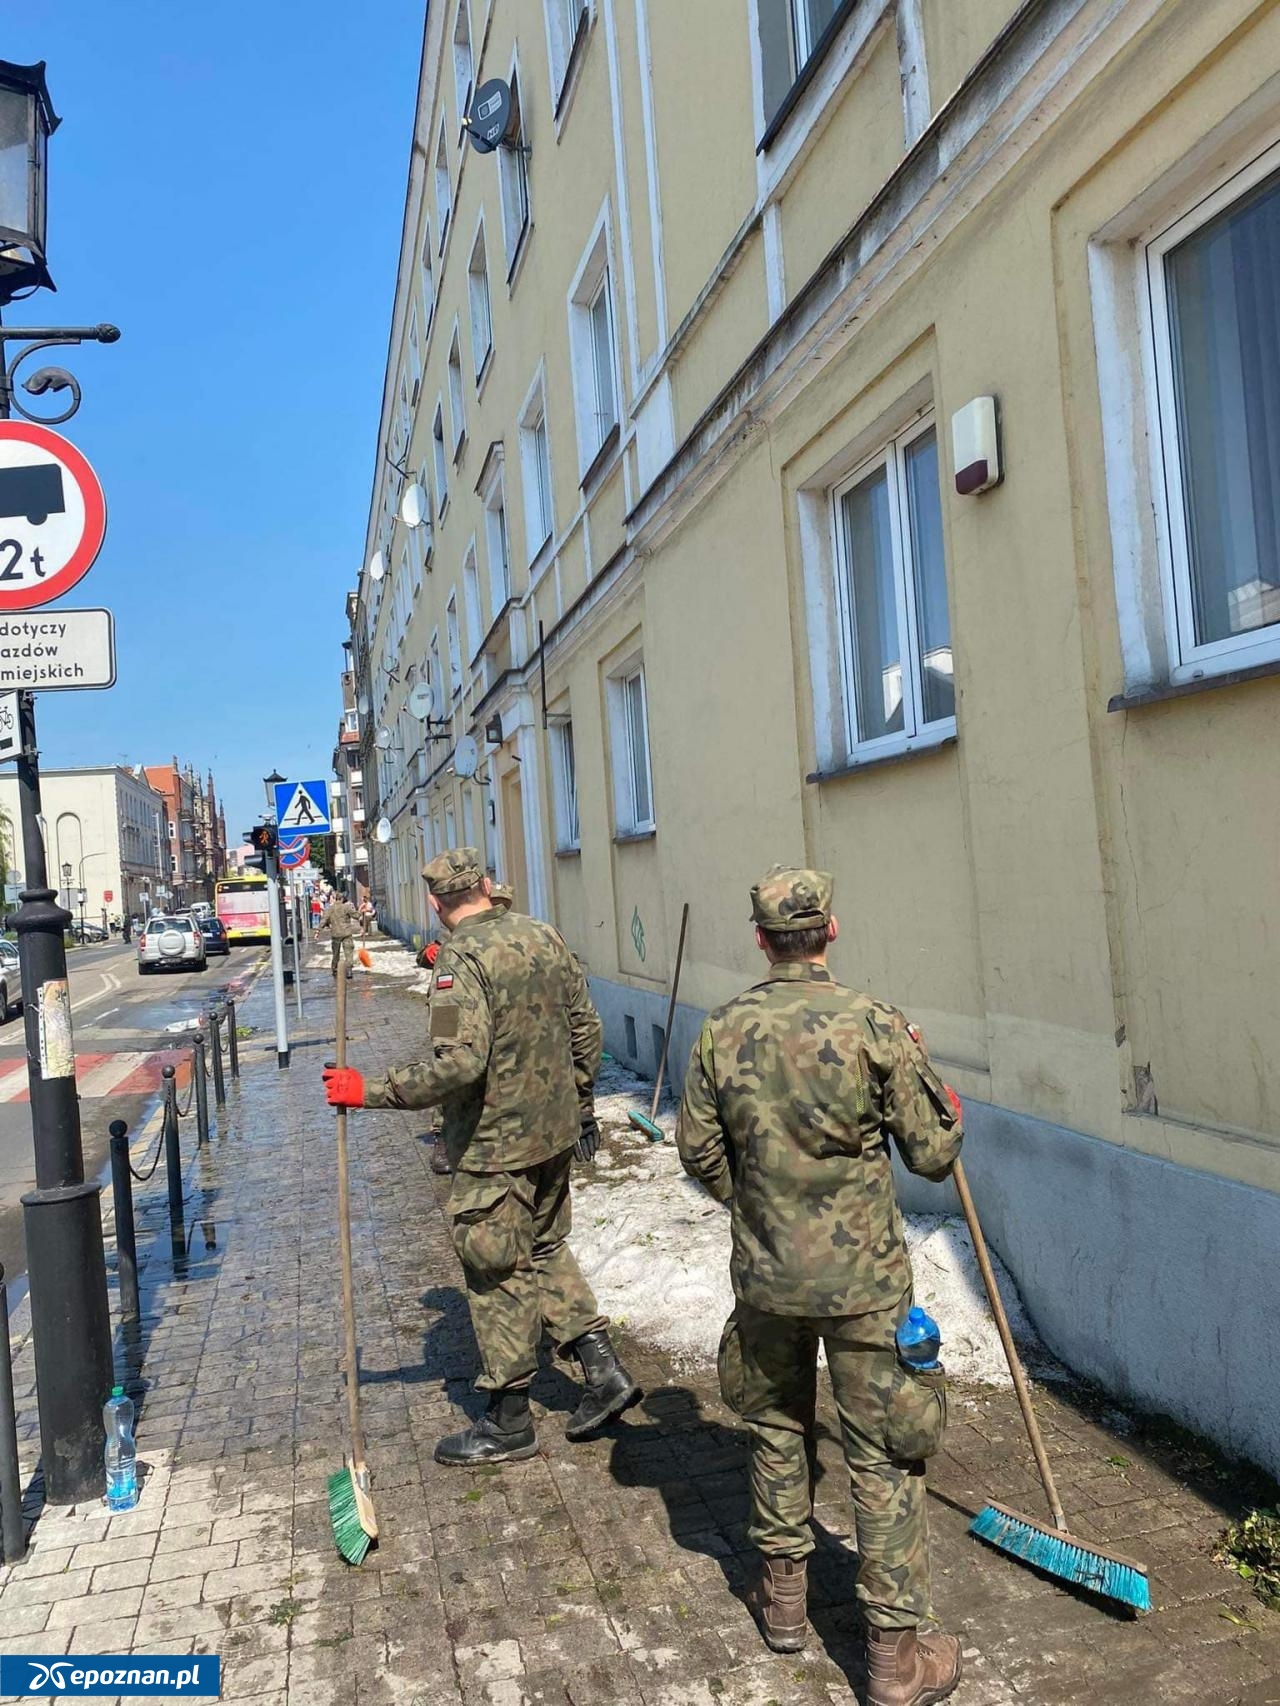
(271, 872)
(62, 1217)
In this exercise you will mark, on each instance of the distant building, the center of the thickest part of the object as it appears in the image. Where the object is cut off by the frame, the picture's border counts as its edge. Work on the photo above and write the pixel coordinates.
(196, 830)
(346, 791)
(105, 832)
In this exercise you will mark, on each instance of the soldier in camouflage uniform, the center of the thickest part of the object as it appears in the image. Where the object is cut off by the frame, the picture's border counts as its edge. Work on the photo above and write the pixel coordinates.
(514, 1047)
(792, 1095)
(340, 920)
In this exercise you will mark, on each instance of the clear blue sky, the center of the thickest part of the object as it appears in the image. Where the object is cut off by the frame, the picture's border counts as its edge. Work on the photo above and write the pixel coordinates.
(226, 187)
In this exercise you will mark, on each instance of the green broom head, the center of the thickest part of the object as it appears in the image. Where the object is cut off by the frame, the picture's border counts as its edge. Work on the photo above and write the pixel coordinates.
(349, 1533)
(643, 1123)
(1062, 1556)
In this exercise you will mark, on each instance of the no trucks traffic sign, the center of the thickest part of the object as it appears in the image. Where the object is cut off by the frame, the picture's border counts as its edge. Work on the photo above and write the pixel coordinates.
(53, 516)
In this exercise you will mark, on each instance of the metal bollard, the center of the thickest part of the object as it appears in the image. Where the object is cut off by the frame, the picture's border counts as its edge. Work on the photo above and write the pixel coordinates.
(173, 1164)
(233, 1041)
(13, 1531)
(200, 1076)
(126, 1236)
(215, 1055)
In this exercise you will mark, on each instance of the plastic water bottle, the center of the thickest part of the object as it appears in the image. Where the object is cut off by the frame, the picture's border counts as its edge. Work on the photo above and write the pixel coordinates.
(120, 1454)
(919, 1340)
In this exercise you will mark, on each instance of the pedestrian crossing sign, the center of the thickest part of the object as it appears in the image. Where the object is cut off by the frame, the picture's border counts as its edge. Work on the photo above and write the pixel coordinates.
(302, 806)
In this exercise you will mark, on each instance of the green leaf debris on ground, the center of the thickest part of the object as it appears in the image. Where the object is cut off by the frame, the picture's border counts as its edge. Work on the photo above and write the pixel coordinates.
(1252, 1549)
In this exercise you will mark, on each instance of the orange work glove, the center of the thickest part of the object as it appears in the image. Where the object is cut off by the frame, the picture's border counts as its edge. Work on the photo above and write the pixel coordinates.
(343, 1086)
(955, 1101)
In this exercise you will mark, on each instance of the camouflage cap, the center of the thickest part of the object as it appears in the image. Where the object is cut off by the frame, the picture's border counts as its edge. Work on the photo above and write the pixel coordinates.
(502, 895)
(453, 872)
(788, 897)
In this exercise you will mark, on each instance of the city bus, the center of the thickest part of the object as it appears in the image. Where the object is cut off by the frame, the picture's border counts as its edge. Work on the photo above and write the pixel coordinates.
(241, 906)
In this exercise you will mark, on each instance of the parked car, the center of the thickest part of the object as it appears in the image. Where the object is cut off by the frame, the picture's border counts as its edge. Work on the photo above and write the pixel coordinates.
(87, 932)
(10, 980)
(171, 941)
(215, 936)
(201, 909)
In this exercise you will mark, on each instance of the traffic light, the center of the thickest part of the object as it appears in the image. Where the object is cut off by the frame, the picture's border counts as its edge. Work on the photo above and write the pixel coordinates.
(262, 838)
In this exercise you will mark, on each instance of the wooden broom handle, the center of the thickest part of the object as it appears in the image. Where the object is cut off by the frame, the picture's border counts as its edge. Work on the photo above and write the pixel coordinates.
(1010, 1349)
(344, 1239)
(671, 1008)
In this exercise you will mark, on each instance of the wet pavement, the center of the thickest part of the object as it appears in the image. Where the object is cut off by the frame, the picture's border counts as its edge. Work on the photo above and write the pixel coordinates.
(611, 1571)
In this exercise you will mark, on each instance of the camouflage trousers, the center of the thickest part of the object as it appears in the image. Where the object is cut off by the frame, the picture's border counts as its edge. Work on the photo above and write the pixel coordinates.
(890, 1420)
(344, 946)
(509, 1230)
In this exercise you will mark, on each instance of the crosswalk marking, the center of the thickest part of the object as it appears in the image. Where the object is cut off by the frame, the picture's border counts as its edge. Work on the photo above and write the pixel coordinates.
(131, 1073)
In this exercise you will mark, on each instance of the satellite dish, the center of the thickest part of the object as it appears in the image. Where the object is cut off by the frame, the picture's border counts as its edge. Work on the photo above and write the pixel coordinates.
(383, 830)
(466, 756)
(382, 740)
(362, 705)
(413, 506)
(422, 701)
(377, 567)
(490, 117)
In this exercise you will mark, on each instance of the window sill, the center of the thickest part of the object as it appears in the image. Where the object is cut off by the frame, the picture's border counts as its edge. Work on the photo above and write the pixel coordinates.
(483, 371)
(568, 852)
(596, 465)
(881, 761)
(541, 557)
(628, 837)
(459, 450)
(517, 258)
(1157, 694)
(808, 71)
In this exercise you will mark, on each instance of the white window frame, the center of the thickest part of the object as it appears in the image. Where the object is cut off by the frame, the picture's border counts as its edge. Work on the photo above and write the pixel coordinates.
(564, 19)
(457, 397)
(440, 457)
(915, 732)
(593, 279)
(536, 471)
(481, 304)
(415, 358)
(497, 536)
(453, 639)
(471, 601)
(463, 62)
(564, 769)
(428, 271)
(513, 179)
(437, 675)
(444, 189)
(1188, 659)
(626, 816)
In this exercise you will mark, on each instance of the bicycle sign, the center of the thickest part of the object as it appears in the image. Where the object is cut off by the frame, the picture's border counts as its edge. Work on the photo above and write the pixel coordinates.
(10, 738)
(53, 516)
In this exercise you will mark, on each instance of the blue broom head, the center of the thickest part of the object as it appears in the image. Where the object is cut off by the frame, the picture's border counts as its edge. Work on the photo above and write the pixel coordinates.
(1061, 1556)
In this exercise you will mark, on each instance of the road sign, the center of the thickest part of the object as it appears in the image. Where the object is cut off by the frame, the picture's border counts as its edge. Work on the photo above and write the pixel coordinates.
(302, 806)
(53, 515)
(295, 854)
(10, 736)
(57, 649)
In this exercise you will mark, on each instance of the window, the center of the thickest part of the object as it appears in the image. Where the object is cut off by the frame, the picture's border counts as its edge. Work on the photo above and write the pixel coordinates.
(1215, 295)
(462, 67)
(535, 467)
(444, 191)
(790, 33)
(428, 277)
(415, 359)
(592, 348)
(457, 406)
(455, 646)
(896, 669)
(495, 528)
(437, 450)
(471, 597)
(481, 317)
(468, 817)
(437, 679)
(632, 777)
(566, 785)
(566, 20)
(513, 172)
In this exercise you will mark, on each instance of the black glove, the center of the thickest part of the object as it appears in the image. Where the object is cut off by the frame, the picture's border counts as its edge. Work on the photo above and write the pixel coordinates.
(589, 1137)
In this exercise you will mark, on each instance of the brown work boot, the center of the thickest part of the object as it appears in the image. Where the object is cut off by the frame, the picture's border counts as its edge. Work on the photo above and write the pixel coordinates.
(777, 1604)
(908, 1669)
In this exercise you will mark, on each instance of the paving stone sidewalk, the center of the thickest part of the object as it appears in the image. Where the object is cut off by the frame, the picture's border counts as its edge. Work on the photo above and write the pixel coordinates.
(610, 1572)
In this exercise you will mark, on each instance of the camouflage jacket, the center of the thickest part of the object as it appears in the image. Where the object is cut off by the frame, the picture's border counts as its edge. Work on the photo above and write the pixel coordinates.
(340, 920)
(792, 1095)
(514, 1045)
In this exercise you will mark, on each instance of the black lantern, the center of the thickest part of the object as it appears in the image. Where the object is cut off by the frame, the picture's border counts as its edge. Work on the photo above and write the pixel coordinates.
(27, 121)
(271, 783)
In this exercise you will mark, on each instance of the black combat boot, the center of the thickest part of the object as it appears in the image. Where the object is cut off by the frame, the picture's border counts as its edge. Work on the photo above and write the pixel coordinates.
(610, 1389)
(504, 1434)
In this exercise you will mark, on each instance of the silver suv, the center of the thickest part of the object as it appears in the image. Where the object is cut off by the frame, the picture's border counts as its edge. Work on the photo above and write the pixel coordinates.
(168, 941)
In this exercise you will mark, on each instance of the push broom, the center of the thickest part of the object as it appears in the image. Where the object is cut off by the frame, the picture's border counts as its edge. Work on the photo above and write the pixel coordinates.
(351, 1516)
(650, 1127)
(1051, 1549)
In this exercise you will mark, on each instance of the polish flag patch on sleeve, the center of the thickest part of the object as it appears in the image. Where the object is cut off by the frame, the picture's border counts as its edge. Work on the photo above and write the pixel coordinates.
(444, 980)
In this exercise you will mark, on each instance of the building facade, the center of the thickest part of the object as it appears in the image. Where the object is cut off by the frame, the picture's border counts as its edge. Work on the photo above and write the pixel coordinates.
(346, 791)
(105, 831)
(196, 830)
(677, 373)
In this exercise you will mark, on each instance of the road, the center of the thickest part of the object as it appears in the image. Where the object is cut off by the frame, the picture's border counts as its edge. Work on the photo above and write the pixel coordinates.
(119, 1020)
